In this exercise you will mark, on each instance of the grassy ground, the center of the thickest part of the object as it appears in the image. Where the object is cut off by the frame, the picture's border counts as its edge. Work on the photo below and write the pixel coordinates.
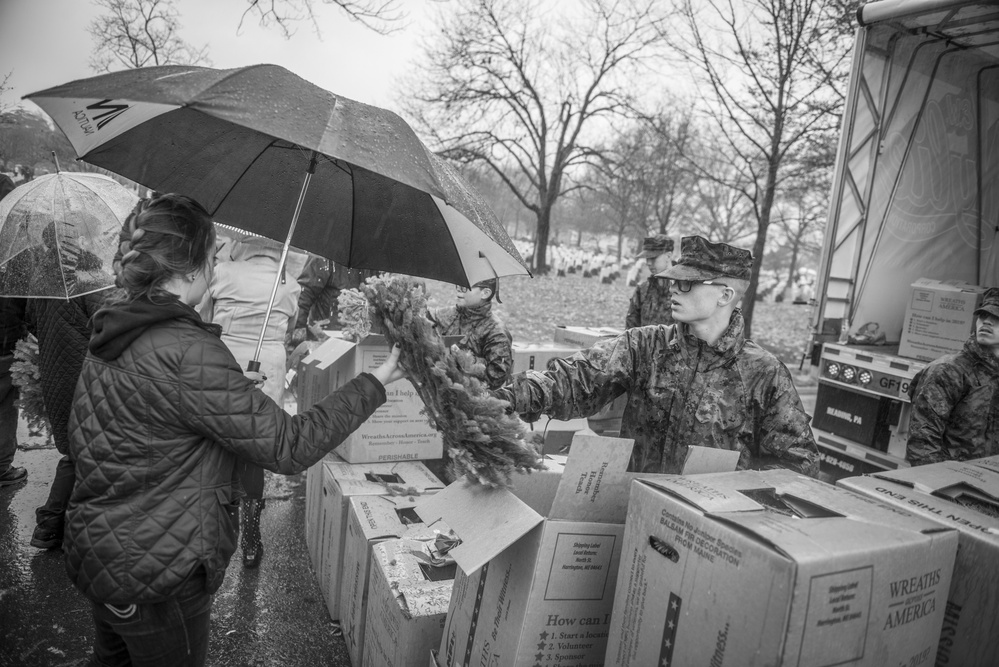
(533, 307)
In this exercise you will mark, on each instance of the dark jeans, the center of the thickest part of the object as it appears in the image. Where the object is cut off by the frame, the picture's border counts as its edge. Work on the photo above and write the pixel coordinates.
(8, 414)
(53, 513)
(162, 634)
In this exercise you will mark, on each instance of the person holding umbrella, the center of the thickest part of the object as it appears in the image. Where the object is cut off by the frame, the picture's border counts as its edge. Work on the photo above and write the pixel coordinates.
(162, 414)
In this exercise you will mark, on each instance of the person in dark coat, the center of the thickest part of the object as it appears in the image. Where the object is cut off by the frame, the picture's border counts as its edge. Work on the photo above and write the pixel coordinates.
(482, 332)
(162, 412)
(12, 329)
(955, 399)
(697, 382)
(650, 303)
(63, 331)
(322, 281)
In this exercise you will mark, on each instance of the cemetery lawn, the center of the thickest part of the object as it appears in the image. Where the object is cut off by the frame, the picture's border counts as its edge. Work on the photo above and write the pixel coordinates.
(533, 307)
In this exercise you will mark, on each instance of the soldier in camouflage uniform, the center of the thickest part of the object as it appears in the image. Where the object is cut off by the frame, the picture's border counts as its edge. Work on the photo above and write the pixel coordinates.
(650, 304)
(955, 399)
(697, 382)
(483, 334)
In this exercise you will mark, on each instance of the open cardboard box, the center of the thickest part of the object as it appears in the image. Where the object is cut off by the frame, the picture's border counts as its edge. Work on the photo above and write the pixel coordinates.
(537, 569)
(407, 605)
(775, 568)
(371, 520)
(398, 430)
(965, 496)
(341, 482)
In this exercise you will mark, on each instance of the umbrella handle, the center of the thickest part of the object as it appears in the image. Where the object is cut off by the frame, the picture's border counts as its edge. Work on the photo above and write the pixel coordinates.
(284, 256)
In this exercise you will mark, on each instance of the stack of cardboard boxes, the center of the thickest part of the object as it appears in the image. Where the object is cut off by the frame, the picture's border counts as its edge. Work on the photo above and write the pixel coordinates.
(361, 495)
(585, 563)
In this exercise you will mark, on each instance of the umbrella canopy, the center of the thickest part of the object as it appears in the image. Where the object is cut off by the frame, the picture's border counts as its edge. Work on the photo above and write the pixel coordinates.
(59, 234)
(240, 141)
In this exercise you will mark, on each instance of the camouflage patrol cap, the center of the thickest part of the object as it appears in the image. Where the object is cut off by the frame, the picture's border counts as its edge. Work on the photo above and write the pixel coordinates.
(990, 303)
(701, 259)
(653, 246)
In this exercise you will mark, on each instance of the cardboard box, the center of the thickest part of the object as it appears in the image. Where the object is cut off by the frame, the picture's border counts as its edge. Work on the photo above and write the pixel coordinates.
(398, 430)
(939, 318)
(314, 507)
(370, 520)
(542, 577)
(953, 493)
(775, 568)
(407, 604)
(535, 356)
(341, 482)
(583, 337)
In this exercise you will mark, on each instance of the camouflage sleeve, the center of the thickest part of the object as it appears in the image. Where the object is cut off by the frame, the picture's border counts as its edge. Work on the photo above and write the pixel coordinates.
(783, 433)
(939, 387)
(580, 385)
(498, 352)
(634, 317)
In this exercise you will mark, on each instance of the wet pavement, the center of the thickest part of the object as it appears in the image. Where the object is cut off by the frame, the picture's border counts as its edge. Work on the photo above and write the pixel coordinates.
(270, 616)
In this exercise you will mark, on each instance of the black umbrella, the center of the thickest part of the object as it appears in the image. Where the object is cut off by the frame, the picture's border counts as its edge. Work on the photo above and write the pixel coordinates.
(270, 153)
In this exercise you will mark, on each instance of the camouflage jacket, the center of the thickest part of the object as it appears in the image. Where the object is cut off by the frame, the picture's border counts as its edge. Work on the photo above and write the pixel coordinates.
(650, 304)
(482, 334)
(955, 414)
(732, 395)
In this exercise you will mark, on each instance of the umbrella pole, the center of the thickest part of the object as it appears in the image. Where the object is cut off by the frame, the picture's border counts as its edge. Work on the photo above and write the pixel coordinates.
(254, 364)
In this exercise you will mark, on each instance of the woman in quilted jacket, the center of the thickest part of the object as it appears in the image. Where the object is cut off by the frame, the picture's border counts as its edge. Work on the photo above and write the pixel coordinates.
(162, 414)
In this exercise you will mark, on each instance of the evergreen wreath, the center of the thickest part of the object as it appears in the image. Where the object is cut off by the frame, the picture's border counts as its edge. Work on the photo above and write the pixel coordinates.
(26, 376)
(483, 438)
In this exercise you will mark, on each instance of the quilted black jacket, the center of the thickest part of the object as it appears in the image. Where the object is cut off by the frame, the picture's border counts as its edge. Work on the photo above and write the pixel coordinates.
(63, 331)
(162, 411)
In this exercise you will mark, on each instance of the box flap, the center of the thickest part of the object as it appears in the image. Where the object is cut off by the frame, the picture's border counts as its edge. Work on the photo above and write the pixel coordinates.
(328, 353)
(701, 460)
(486, 520)
(594, 485)
(713, 492)
(949, 479)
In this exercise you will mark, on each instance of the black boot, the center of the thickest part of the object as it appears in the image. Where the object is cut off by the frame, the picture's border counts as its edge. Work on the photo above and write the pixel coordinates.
(253, 549)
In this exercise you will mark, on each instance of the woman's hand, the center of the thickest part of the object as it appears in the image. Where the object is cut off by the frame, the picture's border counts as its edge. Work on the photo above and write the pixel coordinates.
(390, 371)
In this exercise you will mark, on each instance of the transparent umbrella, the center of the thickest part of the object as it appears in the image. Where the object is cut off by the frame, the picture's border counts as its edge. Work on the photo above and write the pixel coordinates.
(59, 233)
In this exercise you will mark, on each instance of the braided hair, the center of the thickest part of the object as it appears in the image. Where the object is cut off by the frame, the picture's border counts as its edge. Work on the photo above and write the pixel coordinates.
(164, 236)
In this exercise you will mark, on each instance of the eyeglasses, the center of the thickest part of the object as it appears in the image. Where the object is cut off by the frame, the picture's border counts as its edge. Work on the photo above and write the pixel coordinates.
(685, 285)
(462, 289)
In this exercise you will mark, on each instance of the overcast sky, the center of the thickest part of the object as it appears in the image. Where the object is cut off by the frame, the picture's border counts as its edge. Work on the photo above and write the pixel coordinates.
(45, 43)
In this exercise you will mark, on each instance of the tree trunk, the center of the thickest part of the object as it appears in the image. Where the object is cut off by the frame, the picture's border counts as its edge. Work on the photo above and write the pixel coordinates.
(541, 243)
(763, 224)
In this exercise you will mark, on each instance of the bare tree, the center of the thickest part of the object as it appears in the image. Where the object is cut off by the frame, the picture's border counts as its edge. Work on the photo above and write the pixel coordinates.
(721, 213)
(140, 33)
(5, 88)
(382, 16)
(772, 74)
(520, 86)
(667, 173)
(800, 212)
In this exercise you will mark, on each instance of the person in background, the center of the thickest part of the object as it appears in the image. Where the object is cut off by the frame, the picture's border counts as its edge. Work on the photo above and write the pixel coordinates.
(161, 416)
(322, 281)
(698, 382)
(955, 399)
(240, 291)
(12, 329)
(650, 303)
(62, 328)
(482, 333)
